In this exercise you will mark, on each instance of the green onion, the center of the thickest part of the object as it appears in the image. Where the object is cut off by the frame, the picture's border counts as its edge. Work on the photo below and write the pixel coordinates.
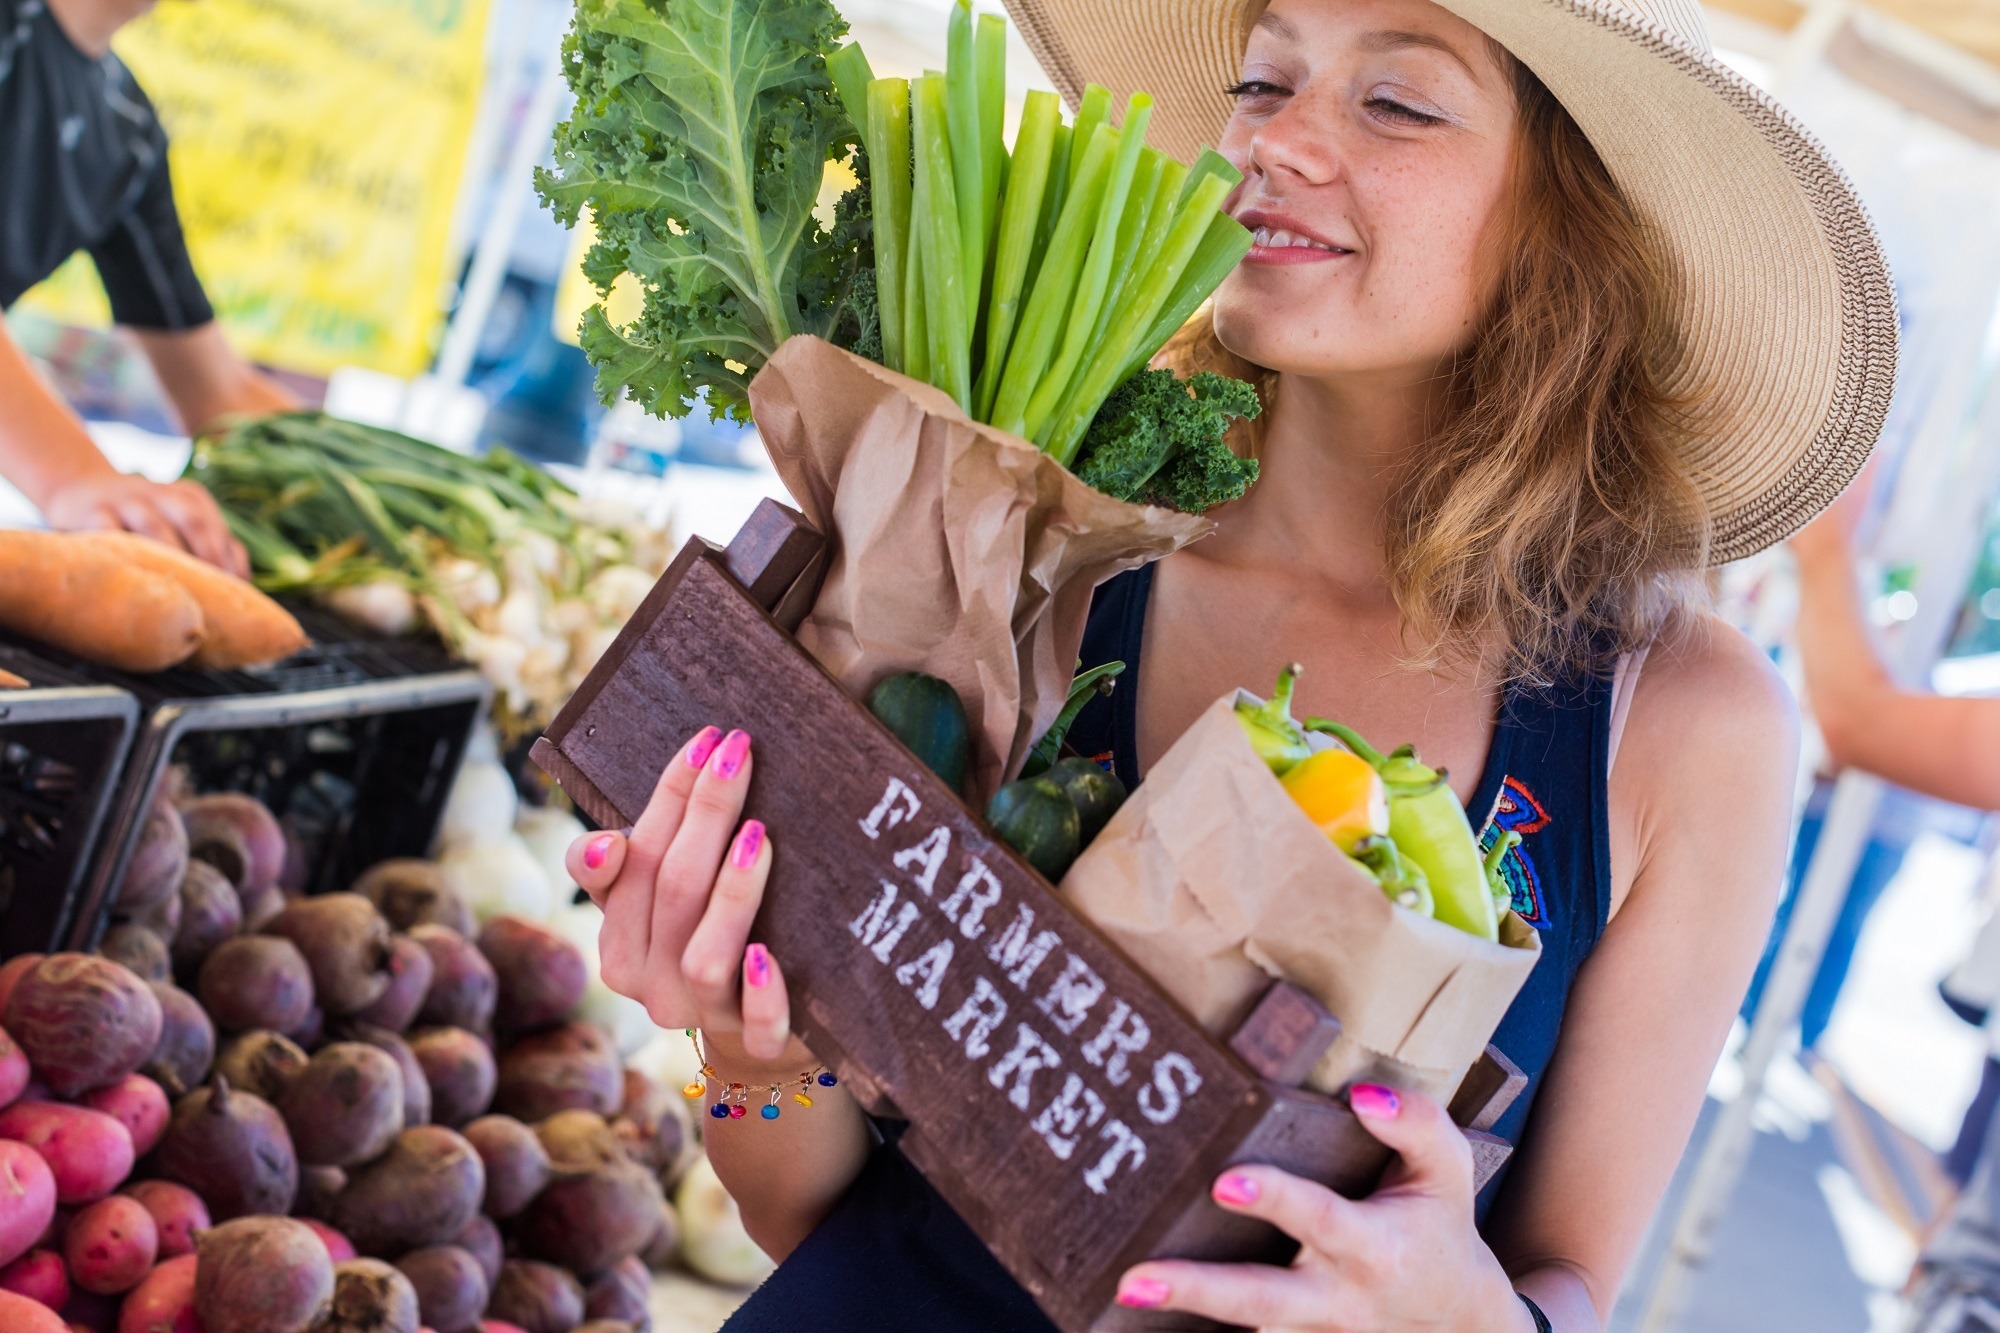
(848, 67)
(934, 206)
(1014, 246)
(968, 162)
(1223, 245)
(889, 188)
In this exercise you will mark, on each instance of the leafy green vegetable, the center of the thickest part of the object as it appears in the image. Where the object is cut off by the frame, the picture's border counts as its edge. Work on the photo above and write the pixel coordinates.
(1160, 439)
(700, 136)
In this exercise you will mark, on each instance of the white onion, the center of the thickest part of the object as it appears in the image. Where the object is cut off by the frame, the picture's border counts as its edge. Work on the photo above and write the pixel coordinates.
(498, 877)
(713, 1241)
(481, 806)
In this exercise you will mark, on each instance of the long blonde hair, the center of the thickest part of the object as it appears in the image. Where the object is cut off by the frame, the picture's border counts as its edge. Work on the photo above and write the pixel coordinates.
(1549, 505)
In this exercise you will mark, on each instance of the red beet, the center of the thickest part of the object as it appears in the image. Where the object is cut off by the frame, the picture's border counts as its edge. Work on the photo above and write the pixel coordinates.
(481, 1240)
(137, 1103)
(82, 1021)
(410, 972)
(138, 950)
(154, 870)
(262, 1275)
(11, 973)
(416, 1084)
(620, 1293)
(499, 1326)
(27, 1199)
(412, 893)
(463, 987)
(186, 1048)
(346, 943)
(263, 1063)
(338, 1247)
(610, 1326)
(163, 1302)
(318, 1185)
(542, 975)
(459, 1071)
(111, 1245)
(647, 1126)
(210, 913)
(256, 981)
(87, 1151)
(178, 1213)
(232, 1149)
(424, 1191)
(163, 918)
(14, 1072)
(239, 836)
(451, 1287)
(369, 1296)
(259, 906)
(91, 1313)
(346, 1106)
(517, 1166)
(574, 1066)
(312, 1032)
(592, 1221)
(18, 1314)
(665, 1245)
(540, 1298)
(40, 1275)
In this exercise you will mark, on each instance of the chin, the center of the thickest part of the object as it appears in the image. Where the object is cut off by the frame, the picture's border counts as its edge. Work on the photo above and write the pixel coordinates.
(1319, 335)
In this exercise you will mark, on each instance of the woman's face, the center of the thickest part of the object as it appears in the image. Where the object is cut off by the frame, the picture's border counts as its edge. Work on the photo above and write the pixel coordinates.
(1375, 139)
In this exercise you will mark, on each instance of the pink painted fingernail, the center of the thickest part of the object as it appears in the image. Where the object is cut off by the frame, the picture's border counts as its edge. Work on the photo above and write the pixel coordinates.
(749, 841)
(729, 759)
(1374, 1100)
(1142, 1293)
(1235, 1189)
(757, 966)
(597, 849)
(703, 745)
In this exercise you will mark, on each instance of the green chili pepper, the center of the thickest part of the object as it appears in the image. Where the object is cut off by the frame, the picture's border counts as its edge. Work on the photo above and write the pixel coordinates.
(1429, 827)
(1401, 878)
(1274, 733)
(1496, 878)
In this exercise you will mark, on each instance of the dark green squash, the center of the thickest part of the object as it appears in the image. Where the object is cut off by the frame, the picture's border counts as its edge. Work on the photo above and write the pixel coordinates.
(1095, 793)
(1037, 819)
(925, 714)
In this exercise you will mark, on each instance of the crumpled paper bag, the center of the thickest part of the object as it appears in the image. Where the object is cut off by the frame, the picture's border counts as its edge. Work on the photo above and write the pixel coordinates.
(1214, 882)
(955, 549)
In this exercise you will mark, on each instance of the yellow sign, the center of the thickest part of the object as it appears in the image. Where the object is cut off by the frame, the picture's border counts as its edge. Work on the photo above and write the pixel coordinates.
(317, 151)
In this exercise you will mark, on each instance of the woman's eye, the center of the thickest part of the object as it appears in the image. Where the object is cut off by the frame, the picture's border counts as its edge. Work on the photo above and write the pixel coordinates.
(1254, 89)
(1388, 108)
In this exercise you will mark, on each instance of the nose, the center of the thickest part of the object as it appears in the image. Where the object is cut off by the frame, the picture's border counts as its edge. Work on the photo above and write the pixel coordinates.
(1297, 144)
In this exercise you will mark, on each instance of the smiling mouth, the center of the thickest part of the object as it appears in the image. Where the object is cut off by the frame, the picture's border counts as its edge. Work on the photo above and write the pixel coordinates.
(1277, 238)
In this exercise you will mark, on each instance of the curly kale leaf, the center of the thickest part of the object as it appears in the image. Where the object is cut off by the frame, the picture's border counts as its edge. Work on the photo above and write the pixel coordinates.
(1160, 439)
(699, 139)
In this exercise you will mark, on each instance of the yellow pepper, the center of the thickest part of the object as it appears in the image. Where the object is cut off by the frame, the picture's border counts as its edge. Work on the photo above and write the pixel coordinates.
(1342, 794)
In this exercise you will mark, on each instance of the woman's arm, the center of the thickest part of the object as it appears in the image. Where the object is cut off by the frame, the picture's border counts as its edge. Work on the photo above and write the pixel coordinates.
(1701, 820)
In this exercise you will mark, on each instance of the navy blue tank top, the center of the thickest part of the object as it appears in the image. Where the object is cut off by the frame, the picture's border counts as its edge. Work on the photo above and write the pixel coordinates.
(893, 1256)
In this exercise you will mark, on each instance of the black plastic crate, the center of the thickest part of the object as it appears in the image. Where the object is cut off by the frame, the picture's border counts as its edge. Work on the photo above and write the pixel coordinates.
(353, 743)
(63, 743)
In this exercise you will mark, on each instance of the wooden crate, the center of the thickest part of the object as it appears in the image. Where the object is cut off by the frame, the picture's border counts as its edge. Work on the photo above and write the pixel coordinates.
(1071, 1112)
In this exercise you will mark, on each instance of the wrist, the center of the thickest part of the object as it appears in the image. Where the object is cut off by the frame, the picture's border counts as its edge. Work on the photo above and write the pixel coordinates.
(733, 1064)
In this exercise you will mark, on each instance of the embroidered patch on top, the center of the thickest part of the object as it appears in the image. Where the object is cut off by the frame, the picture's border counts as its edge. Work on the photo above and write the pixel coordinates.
(1518, 811)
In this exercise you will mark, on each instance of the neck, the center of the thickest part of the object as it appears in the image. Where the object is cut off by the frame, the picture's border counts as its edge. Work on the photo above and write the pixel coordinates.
(89, 24)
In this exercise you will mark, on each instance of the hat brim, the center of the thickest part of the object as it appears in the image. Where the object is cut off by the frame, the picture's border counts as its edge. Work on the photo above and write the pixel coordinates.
(1780, 292)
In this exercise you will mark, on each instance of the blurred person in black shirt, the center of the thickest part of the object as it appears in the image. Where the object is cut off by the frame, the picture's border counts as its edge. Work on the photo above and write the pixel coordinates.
(83, 166)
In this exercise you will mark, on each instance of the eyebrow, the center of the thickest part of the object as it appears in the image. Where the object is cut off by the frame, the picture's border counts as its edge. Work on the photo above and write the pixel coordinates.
(1382, 41)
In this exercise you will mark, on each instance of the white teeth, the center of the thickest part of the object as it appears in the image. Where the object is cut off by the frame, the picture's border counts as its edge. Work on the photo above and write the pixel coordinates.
(1278, 238)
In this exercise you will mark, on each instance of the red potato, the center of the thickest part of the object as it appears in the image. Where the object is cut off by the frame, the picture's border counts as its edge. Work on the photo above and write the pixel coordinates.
(88, 1153)
(410, 972)
(463, 987)
(82, 1021)
(163, 1302)
(14, 1073)
(346, 1106)
(27, 1200)
(255, 981)
(137, 1103)
(346, 944)
(153, 871)
(233, 1150)
(111, 1245)
(210, 913)
(517, 1166)
(239, 836)
(262, 1275)
(138, 950)
(178, 1213)
(186, 1049)
(459, 1072)
(40, 1275)
(263, 1063)
(370, 1296)
(451, 1287)
(90, 1312)
(18, 1314)
(11, 973)
(338, 1247)
(542, 975)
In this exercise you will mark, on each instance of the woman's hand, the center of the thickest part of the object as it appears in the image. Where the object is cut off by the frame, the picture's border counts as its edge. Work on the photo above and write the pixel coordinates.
(1406, 1257)
(679, 892)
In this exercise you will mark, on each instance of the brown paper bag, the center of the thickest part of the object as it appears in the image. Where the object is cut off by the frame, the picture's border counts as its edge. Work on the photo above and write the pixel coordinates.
(956, 549)
(1214, 882)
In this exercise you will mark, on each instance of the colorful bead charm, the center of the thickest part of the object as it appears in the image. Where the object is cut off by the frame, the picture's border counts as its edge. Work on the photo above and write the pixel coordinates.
(719, 1111)
(733, 1099)
(769, 1112)
(802, 1099)
(694, 1090)
(736, 1112)
(826, 1078)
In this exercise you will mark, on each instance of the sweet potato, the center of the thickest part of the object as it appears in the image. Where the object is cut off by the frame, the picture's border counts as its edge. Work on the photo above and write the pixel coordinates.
(232, 1149)
(82, 1021)
(242, 627)
(40, 1275)
(463, 987)
(19, 1314)
(590, 1222)
(540, 1298)
(261, 1275)
(210, 913)
(264, 1063)
(90, 598)
(11, 973)
(186, 1049)
(574, 1066)
(256, 981)
(27, 1199)
(410, 971)
(339, 1247)
(451, 1287)
(87, 1151)
(517, 1166)
(178, 1213)
(346, 1106)
(424, 1191)
(111, 1245)
(163, 1302)
(542, 975)
(239, 836)
(481, 1240)
(138, 950)
(411, 893)
(369, 1296)
(346, 944)
(137, 1103)
(14, 1072)
(459, 1071)
(416, 1084)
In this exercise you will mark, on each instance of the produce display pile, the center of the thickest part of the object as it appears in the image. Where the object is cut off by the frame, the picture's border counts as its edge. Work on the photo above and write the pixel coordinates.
(257, 1113)
(506, 564)
(1031, 284)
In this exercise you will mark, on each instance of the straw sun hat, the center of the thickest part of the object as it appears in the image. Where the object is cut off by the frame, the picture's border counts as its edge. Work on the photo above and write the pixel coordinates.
(1782, 296)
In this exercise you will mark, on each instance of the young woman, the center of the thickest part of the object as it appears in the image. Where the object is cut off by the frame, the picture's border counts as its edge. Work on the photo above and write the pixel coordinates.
(1551, 312)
